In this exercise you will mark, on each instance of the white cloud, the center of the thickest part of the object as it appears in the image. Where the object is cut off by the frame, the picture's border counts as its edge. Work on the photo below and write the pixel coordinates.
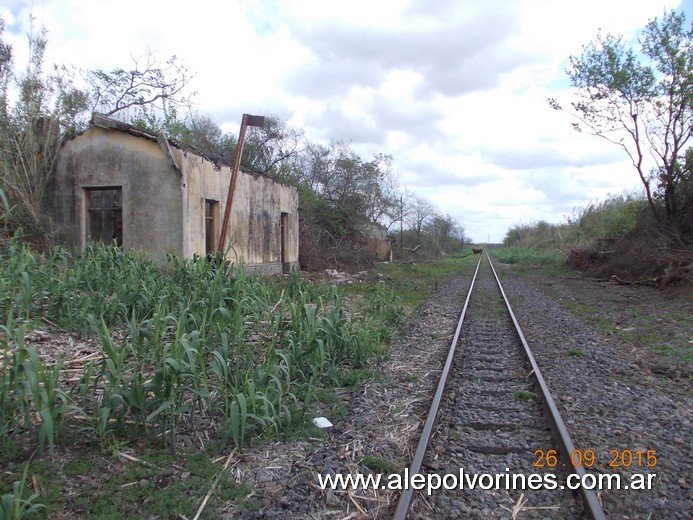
(454, 90)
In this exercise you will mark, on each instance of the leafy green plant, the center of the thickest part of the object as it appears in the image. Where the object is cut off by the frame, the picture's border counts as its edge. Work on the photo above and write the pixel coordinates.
(183, 341)
(14, 506)
(378, 464)
(48, 399)
(524, 395)
(528, 255)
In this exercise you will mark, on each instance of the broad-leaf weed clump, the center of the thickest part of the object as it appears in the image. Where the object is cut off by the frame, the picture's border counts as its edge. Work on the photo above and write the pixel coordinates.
(179, 343)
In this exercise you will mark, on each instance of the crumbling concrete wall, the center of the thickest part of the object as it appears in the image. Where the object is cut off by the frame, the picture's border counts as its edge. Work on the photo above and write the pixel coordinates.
(152, 203)
(377, 241)
(255, 223)
(163, 207)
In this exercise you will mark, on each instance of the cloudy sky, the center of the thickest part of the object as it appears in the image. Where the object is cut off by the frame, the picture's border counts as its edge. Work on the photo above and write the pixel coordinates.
(454, 90)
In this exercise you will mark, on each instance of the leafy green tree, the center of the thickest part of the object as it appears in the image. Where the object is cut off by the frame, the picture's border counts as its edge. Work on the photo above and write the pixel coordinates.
(268, 148)
(641, 100)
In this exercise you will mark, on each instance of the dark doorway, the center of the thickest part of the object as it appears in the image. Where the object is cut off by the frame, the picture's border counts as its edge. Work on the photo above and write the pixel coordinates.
(284, 245)
(105, 215)
(211, 228)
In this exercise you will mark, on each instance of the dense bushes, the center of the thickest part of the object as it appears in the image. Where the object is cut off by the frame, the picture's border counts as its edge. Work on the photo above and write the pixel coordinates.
(617, 236)
(597, 222)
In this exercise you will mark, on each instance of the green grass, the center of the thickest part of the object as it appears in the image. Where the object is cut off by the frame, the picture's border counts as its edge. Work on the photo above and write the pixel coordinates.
(646, 330)
(528, 256)
(356, 377)
(330, 403)
(414, 284)
(161, 485)
(250, 358)
(524, 395)
(672, 343)
(575, 352)
(378, 465)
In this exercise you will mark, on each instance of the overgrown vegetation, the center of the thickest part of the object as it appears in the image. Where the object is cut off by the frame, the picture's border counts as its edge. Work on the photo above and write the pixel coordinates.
(613, 236)
(600, 221)
(184, 344)
(594, 228)
(180, 354)
(31, 131)
(640, 100)
(40, 109)
(412, 283)
(528, 255)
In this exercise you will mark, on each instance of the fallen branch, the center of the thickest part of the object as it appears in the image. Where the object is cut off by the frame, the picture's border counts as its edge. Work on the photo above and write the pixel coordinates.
(133, 459)
(48, 322)
(278, 302)
(651, 283)
(684, 272)
(214, 485)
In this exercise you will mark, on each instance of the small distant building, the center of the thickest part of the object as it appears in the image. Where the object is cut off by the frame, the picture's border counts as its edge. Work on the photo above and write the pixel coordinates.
(117, 182)
(377, 241)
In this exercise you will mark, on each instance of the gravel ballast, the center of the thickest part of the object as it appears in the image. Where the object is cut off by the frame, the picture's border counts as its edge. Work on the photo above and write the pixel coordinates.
(611, 400)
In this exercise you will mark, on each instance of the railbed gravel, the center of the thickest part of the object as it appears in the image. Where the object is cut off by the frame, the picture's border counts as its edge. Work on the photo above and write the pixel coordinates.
(610, 402)
(491, 423)
(609, 399)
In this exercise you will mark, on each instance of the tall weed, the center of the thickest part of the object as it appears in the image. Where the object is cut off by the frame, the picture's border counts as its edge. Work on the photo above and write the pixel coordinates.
(181, 342)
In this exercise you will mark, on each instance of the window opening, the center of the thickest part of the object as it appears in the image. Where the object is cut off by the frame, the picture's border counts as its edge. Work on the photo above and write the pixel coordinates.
(105, 215)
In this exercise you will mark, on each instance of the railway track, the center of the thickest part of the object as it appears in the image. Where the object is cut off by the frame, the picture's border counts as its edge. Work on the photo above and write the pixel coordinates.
(494, 443)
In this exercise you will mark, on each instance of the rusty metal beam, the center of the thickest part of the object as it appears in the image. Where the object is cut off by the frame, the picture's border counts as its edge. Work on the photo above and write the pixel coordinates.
(247, 120)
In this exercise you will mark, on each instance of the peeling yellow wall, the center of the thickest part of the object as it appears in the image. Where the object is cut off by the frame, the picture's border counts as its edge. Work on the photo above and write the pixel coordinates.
(163, 209)
(255, 222)
(151, 190)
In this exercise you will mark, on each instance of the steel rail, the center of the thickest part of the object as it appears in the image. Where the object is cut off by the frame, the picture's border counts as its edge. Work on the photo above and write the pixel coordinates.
(590, 501)
(407, 494)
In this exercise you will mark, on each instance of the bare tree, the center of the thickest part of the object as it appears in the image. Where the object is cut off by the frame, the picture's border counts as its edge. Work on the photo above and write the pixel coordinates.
(446, 233)
(149, 84)
(419, 212)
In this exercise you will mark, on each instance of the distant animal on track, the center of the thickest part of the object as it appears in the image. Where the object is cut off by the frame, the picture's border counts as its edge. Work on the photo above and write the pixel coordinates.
(477, 251)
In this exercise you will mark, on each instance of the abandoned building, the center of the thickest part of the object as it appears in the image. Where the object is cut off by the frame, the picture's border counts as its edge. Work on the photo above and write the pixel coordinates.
(377, 241)
(117, 182)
